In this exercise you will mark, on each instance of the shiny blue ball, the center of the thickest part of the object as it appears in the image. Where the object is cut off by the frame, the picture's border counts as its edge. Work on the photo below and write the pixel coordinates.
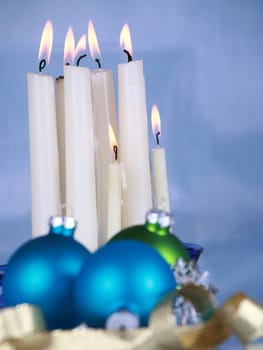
(124, 275)
(42, 272)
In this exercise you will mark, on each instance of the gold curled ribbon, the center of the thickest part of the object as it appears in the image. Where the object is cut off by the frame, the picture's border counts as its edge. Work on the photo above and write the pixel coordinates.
(240, 315)
(16, 322)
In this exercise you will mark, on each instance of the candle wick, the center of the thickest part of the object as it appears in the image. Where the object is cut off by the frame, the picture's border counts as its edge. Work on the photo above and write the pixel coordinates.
(80, 58)
(128, 55)
(42, 65)
(115, 150)
(157, 138)
(98, 61)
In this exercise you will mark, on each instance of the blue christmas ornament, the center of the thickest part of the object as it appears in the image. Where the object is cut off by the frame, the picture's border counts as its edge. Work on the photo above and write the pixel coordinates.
(2, 270)
(42, 272)
(122, 276)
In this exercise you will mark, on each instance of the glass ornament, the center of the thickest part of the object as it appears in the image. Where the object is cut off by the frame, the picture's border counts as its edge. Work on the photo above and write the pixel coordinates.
(42, 272)
(2, 270)
(156, 233)
(125, 275)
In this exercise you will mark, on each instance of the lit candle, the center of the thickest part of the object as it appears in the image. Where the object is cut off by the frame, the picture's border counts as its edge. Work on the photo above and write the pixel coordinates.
(133, 133)
(114, 190)
(80, 165)
(60, 113)
(159, 166)
(45, 194)
(104, 112)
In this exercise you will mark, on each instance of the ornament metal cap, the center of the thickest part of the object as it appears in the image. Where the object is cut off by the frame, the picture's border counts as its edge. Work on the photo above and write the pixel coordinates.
(69, 222)
(55, 224)
(69, 226)
(152, 216)
(165, 219)
(62, 225)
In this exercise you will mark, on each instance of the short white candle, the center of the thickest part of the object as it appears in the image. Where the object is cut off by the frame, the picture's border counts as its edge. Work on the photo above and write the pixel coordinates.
(104, 112)
(133, 134)
(114, 190)
(159, 166)
(45, 194)
(80, 165)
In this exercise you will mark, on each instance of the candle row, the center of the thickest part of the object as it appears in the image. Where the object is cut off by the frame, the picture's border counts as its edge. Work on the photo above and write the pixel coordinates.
(71, 161)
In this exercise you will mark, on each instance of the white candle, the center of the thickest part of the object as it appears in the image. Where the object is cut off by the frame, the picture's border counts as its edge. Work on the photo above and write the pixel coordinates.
(80, 166)
(133, 133)
(45, 198)
(104, 112)
(114, 191)
(159, 166)
(60, 115)
(60, 112)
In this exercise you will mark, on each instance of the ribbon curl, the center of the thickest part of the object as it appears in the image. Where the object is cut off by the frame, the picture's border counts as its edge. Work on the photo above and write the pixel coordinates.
(240, 315)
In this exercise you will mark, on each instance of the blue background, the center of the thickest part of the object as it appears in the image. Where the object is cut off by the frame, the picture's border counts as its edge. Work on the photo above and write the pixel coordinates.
(203, 68)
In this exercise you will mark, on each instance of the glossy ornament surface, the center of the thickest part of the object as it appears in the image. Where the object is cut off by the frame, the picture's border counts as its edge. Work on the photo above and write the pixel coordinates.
(42, 272)
(2, 270)
(156, 233)
(122, 276)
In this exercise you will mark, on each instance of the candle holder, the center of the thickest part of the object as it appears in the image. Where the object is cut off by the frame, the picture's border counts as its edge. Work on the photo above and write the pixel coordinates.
(194, 251)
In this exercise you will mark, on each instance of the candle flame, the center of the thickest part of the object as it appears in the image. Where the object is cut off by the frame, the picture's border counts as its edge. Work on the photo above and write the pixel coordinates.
(93, 42)
(46, 42)
(112, 137)
(81, 46)
(125, 39)
(156, 120)
(69, 47)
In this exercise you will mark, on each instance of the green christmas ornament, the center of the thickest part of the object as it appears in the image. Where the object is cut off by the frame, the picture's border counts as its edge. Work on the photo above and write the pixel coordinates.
(156, 233)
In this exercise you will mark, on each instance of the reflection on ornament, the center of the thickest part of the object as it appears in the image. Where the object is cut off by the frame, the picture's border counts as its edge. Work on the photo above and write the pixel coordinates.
(42, 272)
(156, 233)
(122, 276)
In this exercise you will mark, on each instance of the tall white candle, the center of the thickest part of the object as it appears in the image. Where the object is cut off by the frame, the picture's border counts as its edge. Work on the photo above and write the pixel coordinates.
(80, 166)
(60, 115)
(133, 134)
(159, 166)
(104, 112)
(45, 198)
(114, 191)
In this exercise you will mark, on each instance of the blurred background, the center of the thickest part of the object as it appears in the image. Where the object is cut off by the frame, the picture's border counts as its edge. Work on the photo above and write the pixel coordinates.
(203, 68)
